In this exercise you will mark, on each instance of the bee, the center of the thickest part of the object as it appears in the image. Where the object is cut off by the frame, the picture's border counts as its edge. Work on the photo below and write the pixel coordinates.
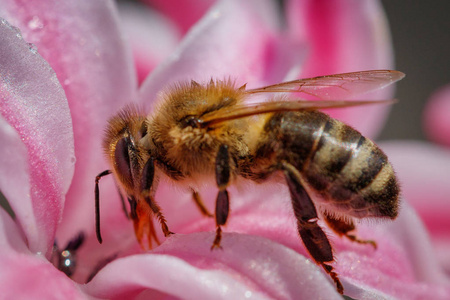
(212, 132)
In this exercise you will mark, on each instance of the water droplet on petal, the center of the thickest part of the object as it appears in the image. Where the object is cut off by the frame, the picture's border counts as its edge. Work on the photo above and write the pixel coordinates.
(33, 48)
(13, 28)
(18, 32)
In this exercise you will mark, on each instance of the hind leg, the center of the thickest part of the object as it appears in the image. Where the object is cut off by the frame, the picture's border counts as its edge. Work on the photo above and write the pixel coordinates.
(313, 237)
(342, 228)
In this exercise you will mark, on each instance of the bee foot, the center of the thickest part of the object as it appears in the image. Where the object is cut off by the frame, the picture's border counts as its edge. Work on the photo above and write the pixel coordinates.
(216, 246)
(334, 276)
(167, 234)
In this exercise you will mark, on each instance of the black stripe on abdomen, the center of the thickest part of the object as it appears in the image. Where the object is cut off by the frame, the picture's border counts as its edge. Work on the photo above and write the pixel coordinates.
(332, 154)
(366, 163)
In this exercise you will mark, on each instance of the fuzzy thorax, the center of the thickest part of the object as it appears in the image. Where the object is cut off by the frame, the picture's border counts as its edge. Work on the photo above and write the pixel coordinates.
(188, 148)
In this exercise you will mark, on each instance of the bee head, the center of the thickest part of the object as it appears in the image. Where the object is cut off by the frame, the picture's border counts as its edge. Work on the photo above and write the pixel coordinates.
(122, 146)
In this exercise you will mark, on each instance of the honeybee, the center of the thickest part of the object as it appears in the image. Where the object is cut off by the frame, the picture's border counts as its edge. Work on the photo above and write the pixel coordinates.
(200, 132)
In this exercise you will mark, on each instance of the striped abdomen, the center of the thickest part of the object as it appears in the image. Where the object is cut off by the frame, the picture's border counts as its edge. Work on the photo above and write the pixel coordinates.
(348, 171)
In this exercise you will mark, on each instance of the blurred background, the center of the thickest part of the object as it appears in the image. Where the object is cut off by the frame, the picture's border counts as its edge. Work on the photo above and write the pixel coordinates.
(421, 37)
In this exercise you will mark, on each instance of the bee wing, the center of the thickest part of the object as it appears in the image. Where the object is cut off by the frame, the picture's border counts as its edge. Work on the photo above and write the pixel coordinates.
(337, 86)
(251, 109)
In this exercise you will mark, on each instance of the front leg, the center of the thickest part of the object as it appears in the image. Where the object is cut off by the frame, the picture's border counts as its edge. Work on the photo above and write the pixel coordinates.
(143, 223)
(222, 202)
(145, 210)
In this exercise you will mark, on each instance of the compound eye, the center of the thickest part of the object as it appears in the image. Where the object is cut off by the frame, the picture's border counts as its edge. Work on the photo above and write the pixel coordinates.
(191, 121)
(122, 159)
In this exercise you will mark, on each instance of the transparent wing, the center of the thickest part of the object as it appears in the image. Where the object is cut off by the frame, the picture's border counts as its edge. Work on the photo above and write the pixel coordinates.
(251, 109)
(337, 86)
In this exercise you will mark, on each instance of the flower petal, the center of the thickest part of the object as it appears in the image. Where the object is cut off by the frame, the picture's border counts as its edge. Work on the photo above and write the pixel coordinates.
(345, 36)
(34, 104)
(185, 267)
(151, 35)
(11, 238)
(184, 12)
(436, 120)
(28, 276)
(403, 266)
(423, 170)
(82, 43)
(15, 186)
(219, 47)
(24, 274)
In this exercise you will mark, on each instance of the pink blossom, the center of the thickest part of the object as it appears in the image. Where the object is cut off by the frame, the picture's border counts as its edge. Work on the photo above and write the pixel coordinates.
(55, 103)
(436, 120)
(424, 168)
(183, 12)
(151, 35)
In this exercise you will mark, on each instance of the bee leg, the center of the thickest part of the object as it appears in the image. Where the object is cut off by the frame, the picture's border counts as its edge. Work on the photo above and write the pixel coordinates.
(97, 204)
(148, 174)
(141, 212)
(157, 211)
(143, 225)
(222, 201)
(313, 237)
(139, 221)
(201, 206)
(343, 227)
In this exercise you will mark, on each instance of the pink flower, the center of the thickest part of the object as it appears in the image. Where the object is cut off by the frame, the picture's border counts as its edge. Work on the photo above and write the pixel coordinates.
(54, 106)
(184, 14)
(424, 168)
(436, 121)
(151, 35)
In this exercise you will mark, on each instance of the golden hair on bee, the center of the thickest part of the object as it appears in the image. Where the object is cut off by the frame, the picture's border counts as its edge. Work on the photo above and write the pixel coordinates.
(200, 132)
(128, 119)
(187, 145)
